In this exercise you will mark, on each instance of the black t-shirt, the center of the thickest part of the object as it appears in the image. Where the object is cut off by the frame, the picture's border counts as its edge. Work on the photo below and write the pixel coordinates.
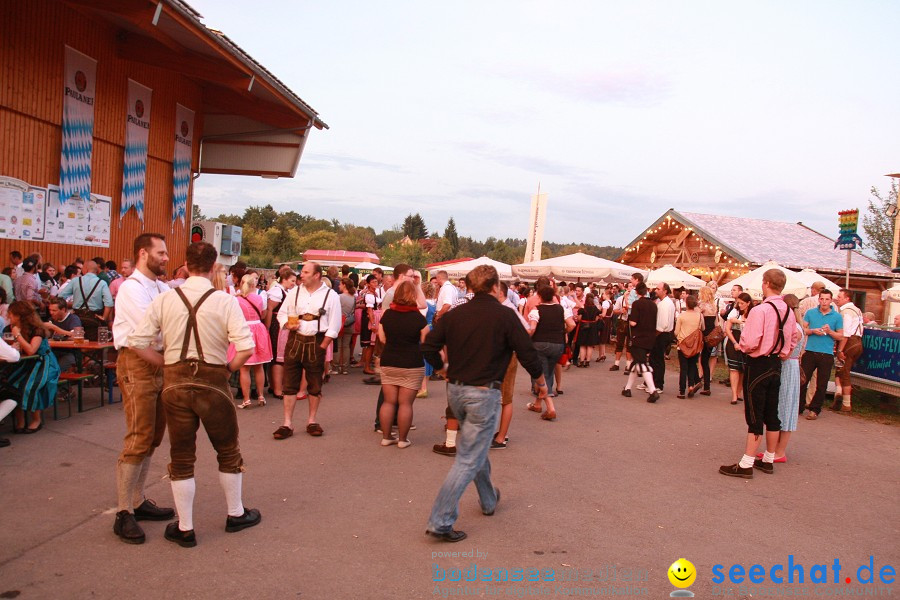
(551, 326)
(403, 331)
(643, 312)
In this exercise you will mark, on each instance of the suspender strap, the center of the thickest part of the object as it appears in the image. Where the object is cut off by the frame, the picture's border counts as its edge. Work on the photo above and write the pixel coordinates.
(192, 324)
(779, 339)
(84, 299)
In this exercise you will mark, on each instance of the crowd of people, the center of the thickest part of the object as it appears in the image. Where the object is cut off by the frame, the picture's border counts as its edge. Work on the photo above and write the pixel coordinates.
(193, 348)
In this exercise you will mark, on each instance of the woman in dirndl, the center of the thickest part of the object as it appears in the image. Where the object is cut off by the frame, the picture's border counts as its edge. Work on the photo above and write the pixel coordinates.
(254, 313)
(734, 358)
(34, 379)
(789, 391)
(284, 282)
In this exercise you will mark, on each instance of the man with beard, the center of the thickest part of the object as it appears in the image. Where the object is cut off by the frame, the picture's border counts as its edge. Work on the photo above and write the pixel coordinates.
(141, 385)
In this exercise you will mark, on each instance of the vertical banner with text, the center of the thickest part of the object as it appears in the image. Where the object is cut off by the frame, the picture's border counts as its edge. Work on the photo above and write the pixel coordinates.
(181, 165)
(137, 135)
(77, 126)
(536, 227)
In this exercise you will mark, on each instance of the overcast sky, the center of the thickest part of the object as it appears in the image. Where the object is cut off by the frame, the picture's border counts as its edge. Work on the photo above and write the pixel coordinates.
(619, 109)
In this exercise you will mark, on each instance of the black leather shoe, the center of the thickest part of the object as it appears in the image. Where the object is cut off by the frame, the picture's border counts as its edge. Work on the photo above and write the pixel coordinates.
(626, 393)
(127, 528)
(653, 397)
(250, 518)
(149, 511)
(488, 514)
(4, 442)
(185, 539)
(449, 536)
(735, 470)
(444, 449)
(764, 466)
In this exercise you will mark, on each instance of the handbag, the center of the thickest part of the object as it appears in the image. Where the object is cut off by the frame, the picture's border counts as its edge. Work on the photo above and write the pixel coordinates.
(692, 344)
(714, 337)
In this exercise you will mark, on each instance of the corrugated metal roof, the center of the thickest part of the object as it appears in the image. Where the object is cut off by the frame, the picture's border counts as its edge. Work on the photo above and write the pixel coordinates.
(792, 245)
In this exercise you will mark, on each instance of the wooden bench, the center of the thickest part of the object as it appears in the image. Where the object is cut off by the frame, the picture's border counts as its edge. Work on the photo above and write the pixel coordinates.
(109, 368)
(77, 378)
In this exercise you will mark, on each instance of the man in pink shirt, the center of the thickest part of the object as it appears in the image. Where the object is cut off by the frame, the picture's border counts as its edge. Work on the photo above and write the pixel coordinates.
(126, 268)
(767, 339)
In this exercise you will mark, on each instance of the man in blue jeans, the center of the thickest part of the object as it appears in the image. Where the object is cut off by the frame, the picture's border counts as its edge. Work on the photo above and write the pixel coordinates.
(480, 337)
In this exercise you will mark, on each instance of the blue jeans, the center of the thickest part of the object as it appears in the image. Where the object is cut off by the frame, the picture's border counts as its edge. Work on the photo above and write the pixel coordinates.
(549, 354)
(478, 411)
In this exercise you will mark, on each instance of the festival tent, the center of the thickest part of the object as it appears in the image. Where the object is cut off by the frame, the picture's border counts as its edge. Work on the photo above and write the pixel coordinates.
(752, 282)
(675, 277)
(810, 277)
(461, 269)
(574, 266)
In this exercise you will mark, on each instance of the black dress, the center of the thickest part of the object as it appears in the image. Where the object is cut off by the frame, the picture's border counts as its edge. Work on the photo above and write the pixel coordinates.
(589, 329)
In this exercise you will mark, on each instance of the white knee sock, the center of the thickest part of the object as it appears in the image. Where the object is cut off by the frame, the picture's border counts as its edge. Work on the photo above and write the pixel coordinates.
(138, 498)
(183, 491)
(6, 407)
(846, 399)
(450, 442)
(648, 379)
(746, 461)
(127, 475)
(768, 457)
(632, 377)
(231, 485)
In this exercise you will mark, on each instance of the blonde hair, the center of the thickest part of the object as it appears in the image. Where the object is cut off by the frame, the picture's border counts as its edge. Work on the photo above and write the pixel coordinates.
(706, 294)
(219, 275)
(248, 284)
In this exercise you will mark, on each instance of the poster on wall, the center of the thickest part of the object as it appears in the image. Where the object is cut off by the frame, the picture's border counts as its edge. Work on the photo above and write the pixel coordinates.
(77, 125)
(79, 222)
(22, 210)
(137, 134)
(181, 165)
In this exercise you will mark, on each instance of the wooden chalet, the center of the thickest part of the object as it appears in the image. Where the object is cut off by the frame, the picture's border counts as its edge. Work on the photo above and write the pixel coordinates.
(720, 248)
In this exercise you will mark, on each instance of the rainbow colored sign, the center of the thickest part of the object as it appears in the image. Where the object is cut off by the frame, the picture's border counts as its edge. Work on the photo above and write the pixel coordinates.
(848, 220)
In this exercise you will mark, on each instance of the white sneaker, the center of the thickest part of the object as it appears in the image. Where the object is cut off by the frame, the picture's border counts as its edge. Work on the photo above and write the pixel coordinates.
(404, 444)
(389, 441)
(642, 386)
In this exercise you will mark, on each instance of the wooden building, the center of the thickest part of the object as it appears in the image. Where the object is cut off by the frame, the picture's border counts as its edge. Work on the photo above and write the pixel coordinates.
(246, 121)
(721, 248)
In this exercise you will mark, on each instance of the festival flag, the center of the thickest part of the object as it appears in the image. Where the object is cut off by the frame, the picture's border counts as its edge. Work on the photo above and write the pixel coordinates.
(137, 134)
(181, 165)
(77, 126)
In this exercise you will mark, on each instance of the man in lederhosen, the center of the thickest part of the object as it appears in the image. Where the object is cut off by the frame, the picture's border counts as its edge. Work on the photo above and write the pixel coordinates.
(197, 324)
(141, 384)
(312, 313)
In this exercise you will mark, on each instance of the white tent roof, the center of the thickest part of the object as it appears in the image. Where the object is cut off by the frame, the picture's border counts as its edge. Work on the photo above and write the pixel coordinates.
(675, 277)
(752, 282)
(810, 277)
(368, 266)
(461, 269)
(574, 266)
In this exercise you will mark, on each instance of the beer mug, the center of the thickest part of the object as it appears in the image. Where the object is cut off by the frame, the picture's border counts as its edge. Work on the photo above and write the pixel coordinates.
(103, 335)
(78, 335)
(293, 318)
(9, 337)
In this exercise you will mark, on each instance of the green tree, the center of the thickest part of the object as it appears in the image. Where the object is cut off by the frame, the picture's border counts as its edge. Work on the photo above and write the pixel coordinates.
(196, 213)
(411, 254)
(283, 243)
(317, 240)
(260, 217)
(292, 220)
(878, 226)
(315, 225)
(356, 239)
(414, 227)
(388, 236)
(230, 220)
(452, 236)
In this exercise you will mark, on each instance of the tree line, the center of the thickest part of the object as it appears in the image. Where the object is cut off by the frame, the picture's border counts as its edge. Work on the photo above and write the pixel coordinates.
(271, 237)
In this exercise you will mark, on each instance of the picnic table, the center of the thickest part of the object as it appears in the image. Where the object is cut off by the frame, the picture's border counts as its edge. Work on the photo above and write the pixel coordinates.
(91, 350)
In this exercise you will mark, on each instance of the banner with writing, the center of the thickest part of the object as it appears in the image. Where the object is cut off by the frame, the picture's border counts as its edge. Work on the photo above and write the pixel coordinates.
(537, 216)
(181, 165)
(137, 135)
(77, 126)
(881, 354)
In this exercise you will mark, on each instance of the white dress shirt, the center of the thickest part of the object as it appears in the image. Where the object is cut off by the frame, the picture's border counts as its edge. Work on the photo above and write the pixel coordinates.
(665, 315)
(853, 323)
(8, 353)
(447, 295)
(132, 300)
(219, 321)
(305, 302)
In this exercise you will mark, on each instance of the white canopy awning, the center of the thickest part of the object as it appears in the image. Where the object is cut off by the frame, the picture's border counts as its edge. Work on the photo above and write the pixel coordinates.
(460, 270)
(809, 277)
(752, 282)
(574, 266)
(675, 277)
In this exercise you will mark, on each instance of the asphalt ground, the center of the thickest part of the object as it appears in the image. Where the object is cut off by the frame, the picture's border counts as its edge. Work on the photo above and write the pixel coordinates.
(603, 500)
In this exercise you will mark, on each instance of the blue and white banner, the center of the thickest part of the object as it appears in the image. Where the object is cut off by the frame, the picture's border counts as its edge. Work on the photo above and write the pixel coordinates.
(77, 126)
(181, 165)
(137, 135)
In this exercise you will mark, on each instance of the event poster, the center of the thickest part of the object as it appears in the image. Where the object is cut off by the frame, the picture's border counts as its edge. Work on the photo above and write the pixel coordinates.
(881, 355)
(77, 126)
(84, 223)
(22, 210)
(181, 165)
(137, 135)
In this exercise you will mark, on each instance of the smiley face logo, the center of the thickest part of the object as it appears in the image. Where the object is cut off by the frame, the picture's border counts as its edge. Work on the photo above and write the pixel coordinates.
(682, 573)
